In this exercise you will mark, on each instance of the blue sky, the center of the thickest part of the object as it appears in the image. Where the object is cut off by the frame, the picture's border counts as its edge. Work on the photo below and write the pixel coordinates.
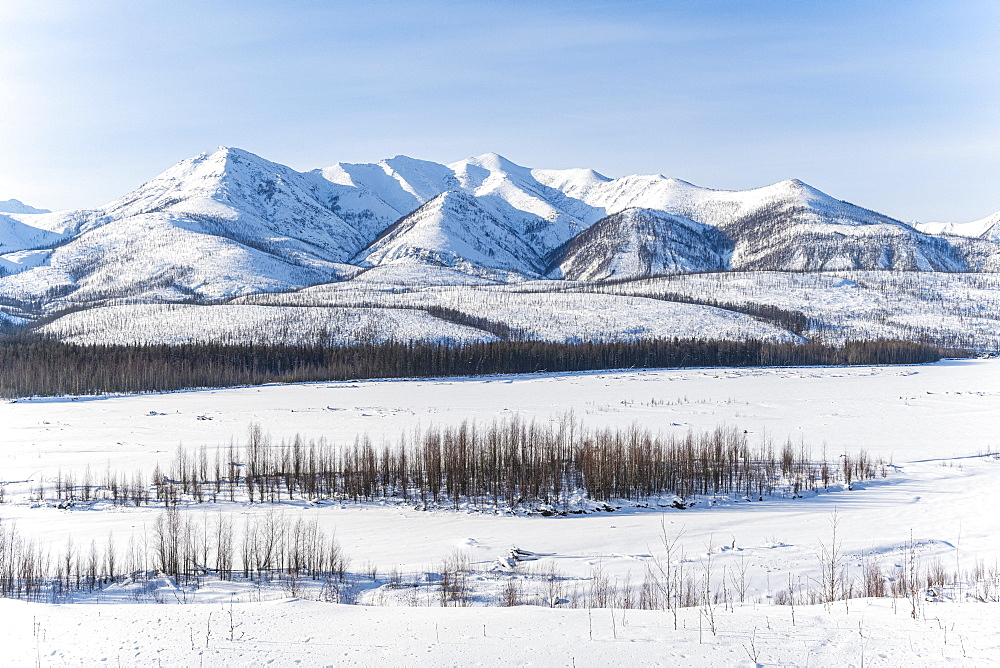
(892, 105)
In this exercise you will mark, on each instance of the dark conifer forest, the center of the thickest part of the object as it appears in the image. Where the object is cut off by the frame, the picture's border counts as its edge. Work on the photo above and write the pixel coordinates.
(33, 366)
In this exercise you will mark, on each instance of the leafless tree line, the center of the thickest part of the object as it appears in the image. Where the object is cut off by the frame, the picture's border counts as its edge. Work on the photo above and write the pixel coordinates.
(511, 464)
(265, 548)
(300, 559)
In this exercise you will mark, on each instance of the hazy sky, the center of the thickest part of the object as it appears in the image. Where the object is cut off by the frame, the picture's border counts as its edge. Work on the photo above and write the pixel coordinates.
(894, 105)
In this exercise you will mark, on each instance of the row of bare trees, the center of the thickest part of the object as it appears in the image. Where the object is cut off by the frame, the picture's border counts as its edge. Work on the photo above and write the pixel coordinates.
(266, 547)
(508, 464)
(182, 551)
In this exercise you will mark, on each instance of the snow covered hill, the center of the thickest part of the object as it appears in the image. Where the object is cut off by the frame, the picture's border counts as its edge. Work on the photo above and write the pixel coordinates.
(542, 216)
(16, 235)
(643, 242)
(986, 228)
(787, 226)
(978, 241)
(17, 206)
(210, 227)
(231, 223)
(454, 230)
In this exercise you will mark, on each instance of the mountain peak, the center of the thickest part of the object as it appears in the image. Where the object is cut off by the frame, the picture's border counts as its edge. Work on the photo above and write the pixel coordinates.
(673, 180)
(454, 230)
(484, 215)
(235, 154)
(17, 206)
(987, 228)
(494, 162)
(797, 185)
(792, 188)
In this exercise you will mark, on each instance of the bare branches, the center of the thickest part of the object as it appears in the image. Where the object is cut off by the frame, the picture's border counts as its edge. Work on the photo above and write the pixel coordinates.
(510, 464)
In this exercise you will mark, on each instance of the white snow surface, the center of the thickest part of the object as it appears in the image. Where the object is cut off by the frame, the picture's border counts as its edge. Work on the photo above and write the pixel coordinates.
(934, 422)
(293, 632)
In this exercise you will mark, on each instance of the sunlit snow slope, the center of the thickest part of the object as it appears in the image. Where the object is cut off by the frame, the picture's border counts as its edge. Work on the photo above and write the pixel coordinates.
(230, 224)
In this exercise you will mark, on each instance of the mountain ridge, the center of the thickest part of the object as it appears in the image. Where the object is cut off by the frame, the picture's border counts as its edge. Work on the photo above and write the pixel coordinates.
(231, 223)
(17, 206)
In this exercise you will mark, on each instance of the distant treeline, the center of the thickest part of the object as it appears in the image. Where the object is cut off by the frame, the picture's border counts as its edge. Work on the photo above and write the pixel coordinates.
(35, 366)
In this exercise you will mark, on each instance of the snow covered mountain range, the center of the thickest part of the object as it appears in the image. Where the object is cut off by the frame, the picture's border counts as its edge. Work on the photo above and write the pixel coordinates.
(230, 223)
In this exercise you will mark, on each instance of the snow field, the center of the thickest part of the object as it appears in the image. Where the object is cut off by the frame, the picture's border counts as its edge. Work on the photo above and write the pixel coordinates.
(933, 422)
(292, 632)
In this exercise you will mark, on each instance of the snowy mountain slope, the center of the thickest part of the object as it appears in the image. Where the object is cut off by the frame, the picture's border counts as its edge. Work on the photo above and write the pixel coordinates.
(403, 183)
(785, 226)
(795, 227)
(793, 239)
(542, 216)
(212, 226)
(980, 255)
(642, 242)
(17, 206)
(20, 241)
(237, 194)
(454, 230)
(16, 235)
(950, 309)
(987, 228)
(328, 315)
(545, 216)
(261, 325)
(978, 241)
(154, 258)
(547, 315)
(231, 223)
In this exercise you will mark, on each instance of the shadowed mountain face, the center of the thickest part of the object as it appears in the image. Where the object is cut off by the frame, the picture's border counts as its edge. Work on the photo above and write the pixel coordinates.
(455, 230)
(642, 242)
(231, 223)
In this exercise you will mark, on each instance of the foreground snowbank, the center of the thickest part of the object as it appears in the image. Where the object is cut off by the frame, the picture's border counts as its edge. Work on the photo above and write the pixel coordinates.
(293, 632)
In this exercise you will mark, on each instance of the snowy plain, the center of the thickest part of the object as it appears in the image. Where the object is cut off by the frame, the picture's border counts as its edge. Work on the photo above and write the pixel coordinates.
(936, 424)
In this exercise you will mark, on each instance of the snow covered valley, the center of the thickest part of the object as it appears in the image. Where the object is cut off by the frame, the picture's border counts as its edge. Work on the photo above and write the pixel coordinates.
(728, 580)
